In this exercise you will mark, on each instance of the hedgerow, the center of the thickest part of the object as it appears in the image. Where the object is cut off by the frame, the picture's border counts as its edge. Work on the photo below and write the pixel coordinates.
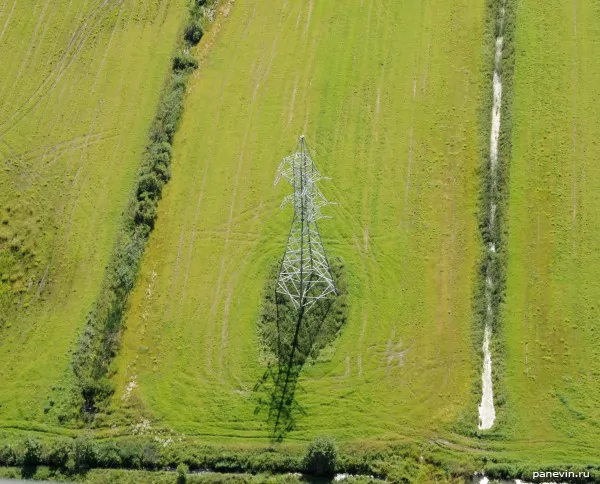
(100, 339)
(395, 463)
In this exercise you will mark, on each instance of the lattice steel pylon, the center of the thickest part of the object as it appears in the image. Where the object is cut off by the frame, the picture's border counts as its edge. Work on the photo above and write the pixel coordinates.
(305, 275)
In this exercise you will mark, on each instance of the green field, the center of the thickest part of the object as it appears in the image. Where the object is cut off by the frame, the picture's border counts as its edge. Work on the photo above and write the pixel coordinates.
(394, 98)
(79, 85)
(552, 310)
(389, 107)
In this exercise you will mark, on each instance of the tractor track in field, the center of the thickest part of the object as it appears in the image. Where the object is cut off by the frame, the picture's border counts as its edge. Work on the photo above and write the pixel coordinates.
(91, 128)
(32, 42)
(293, 101)
(310, 9)
(261, 78)
(12, 9)
(307, 78)
(70, 55)
(3, 8)
(36, 60)
(201, 192)
(63, 146)
(5, 97)
(175, 276)
(94, 121)
(368, 196)
(78, 15)
(576, 143)
(410, 153)
(45, 157)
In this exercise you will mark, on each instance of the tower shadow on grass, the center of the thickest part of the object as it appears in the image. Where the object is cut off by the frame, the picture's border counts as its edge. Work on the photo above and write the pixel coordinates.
(293, 339)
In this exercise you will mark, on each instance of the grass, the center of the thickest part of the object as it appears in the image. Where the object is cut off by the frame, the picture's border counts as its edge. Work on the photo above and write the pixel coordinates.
(390, 97)
(551, 309)
(369, 87)
(79, 88)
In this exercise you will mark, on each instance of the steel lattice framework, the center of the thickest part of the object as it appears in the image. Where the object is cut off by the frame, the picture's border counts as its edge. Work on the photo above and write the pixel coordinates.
(305, 275)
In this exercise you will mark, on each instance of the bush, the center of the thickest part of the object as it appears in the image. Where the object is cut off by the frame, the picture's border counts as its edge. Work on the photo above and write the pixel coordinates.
(33, 452)
(131, 455)
(146, 212)
(108, 455)
(182, 472)
(184, 62)
(9, 456)
(321, 457)
(156, 157)
(150, 456)
(162, 171)
(149, 184)
(85, 452)
(193, 32)
(58, 453)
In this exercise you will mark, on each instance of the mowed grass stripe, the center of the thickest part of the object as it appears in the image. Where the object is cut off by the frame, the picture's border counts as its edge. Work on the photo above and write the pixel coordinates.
(74, 157)
(552, 296)
(401, 308)
(357, 79)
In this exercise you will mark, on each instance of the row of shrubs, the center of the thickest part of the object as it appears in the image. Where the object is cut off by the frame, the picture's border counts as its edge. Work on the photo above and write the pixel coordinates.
(80, 454)
(84, 453)
(100, 339)
(398, 463)
(321, 458)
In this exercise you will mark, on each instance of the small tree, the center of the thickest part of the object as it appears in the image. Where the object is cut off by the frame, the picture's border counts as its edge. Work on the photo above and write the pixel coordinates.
(321, 457)
(193, 32)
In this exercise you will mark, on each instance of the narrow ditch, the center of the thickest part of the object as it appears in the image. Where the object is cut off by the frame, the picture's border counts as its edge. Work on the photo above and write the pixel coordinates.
(487, 410)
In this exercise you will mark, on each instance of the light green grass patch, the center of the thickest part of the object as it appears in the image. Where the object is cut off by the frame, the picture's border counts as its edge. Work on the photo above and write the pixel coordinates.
(552, 310)
(80, 82)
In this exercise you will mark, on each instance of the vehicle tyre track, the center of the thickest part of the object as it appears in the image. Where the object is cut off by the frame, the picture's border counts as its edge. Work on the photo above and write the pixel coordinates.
(7, 19)
(207, 165)
(71, 53)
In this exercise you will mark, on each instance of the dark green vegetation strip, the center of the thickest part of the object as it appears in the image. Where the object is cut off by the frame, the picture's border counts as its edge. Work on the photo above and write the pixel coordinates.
(100, 340)
(82, 458)
(499, 196)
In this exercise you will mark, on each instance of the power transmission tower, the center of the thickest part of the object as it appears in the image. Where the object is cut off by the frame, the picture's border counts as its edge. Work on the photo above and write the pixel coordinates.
(305, 275)
(304, 279)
